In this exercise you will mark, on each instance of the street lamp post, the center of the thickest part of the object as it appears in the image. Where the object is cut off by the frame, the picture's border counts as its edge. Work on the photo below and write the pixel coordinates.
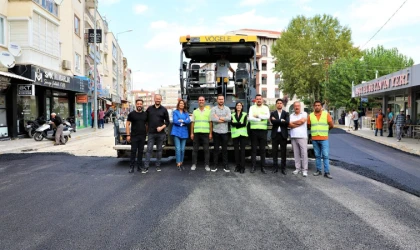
(95, 76)
(118, 63)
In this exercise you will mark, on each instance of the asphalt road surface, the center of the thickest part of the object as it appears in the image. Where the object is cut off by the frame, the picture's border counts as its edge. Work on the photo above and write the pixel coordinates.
(376, 161)
(59, 201)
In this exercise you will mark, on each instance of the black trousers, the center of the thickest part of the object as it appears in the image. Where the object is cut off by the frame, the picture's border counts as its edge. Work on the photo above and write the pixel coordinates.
(137, 147)
(201, 138)
(258, 140)
(276, 141)
(239, 144)
(223, 140)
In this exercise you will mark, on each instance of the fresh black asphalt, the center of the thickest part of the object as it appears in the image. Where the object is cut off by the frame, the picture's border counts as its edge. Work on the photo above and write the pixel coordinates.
(59, 201)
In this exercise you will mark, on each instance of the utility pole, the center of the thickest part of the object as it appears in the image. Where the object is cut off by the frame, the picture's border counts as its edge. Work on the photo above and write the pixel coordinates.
(95, 76)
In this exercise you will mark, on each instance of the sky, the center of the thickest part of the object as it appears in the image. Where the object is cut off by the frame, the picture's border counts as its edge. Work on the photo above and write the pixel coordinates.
(153, 50)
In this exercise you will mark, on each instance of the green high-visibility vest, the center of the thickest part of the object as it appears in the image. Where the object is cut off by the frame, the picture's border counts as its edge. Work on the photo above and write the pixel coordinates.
(255, 124)
(321, 127)
(236, 132)
(201, 121)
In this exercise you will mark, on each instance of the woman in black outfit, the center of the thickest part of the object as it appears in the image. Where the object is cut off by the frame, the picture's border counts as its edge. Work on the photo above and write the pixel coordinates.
(239, 133)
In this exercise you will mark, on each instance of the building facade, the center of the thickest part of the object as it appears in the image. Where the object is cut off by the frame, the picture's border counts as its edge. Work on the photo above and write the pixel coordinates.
(170, 95)
(147, 97)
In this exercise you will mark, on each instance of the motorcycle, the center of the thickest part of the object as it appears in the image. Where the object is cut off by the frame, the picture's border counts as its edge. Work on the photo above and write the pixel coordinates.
(32, 125)
(72, 122)
(47, 131)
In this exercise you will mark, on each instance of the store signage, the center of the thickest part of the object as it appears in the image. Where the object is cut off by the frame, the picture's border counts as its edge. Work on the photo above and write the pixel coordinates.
(393, 82)
(91, 35)
(52, 79)
(81, 99)
(26, 90)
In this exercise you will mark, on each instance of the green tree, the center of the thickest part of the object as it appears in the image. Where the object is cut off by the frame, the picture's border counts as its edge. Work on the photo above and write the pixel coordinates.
(304, 51)
(355, 69)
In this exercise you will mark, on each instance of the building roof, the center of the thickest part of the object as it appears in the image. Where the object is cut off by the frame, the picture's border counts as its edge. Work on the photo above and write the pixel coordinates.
(258, 33)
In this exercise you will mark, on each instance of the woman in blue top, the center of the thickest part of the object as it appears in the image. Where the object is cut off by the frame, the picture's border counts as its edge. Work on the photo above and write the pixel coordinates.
(180, 121)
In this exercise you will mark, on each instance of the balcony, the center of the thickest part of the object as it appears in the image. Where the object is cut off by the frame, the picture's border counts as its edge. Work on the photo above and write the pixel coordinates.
(89, 16)
(91, 4)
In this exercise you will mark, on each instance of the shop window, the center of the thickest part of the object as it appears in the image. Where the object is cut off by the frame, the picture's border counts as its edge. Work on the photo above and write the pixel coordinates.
(27, 111)
(61, 107)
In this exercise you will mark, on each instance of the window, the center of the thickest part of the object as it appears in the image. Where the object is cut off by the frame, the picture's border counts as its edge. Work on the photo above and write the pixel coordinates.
(49, 5)
(45, 35)
(264, 50)
(76, 25)
(114, 51)
(276, 93)
(264, 79)
(2, 31)
(264, 93)
(264, 66)
(277, 79)
(77, 62)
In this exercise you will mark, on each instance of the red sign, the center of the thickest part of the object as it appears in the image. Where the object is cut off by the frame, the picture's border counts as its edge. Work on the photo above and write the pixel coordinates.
(81, 99)
(395, 81)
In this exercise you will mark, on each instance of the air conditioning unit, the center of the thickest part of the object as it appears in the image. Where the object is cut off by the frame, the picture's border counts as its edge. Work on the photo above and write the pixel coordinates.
(66, 65)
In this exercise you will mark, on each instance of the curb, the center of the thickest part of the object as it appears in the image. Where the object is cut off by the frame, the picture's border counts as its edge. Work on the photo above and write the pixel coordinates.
(401, 147)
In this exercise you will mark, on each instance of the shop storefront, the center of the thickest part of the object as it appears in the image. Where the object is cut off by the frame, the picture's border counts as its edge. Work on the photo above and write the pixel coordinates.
(397, 91)
(53, 92)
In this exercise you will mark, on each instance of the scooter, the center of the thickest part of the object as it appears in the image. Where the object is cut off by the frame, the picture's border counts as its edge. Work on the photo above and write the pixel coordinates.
(46, 131)
(31, 126)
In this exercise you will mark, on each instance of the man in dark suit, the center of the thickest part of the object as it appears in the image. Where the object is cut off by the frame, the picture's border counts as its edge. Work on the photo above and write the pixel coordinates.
(279, 133)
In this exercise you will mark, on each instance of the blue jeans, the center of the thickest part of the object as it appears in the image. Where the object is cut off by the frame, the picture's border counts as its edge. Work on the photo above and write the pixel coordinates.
(322, 150)
(179, 148)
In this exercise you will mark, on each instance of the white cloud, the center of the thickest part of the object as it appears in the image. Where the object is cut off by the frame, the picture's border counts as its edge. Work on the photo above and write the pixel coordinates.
(108, 2)
(161, 24)
(140, 8)
(251, 2)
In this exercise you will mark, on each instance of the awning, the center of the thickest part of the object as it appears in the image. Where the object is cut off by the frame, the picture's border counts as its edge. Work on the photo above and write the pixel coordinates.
(11, 75)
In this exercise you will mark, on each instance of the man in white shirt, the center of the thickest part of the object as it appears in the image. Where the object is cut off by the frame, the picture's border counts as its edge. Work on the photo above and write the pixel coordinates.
(259, 115)
(299, 138)
(355, 118)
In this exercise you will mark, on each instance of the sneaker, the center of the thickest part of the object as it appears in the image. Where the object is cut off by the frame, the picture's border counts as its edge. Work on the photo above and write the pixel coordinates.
(305, 174)
(327, 175)
(193, 167)
(317, 173)
(398, 140)
(207, 168)
(296, 172)
(144, 170)
(227, 169)
(158, 169)
(214, 169)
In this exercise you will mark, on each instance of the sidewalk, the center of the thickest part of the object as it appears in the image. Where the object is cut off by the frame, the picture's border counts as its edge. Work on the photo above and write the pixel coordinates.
(408, 145)
(30, 145)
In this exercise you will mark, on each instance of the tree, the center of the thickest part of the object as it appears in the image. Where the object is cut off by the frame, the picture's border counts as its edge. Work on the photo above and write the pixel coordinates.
(304, 51)
(355, 69)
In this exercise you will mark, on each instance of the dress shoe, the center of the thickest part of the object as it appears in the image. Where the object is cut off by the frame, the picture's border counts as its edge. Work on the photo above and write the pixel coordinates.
(237, 168)
(318, 173)
(242, 170)
(131, 170)
(283, 171)
(328, 175)
(138, 168)
(263, 170)
(253, 169)
(275, 170)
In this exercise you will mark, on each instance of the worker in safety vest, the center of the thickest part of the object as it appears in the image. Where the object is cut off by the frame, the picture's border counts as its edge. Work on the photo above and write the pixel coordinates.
(201, 133)
(320, 122)
(239, 131)
(259, 115)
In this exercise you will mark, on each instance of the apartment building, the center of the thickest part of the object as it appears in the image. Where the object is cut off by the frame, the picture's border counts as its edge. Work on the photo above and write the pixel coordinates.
(147, 97)
(49, 43)
(170, 95)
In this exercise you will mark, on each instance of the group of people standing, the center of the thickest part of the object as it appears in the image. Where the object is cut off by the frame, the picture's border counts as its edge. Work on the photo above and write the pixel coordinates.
(207, 124)
(401, 123)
